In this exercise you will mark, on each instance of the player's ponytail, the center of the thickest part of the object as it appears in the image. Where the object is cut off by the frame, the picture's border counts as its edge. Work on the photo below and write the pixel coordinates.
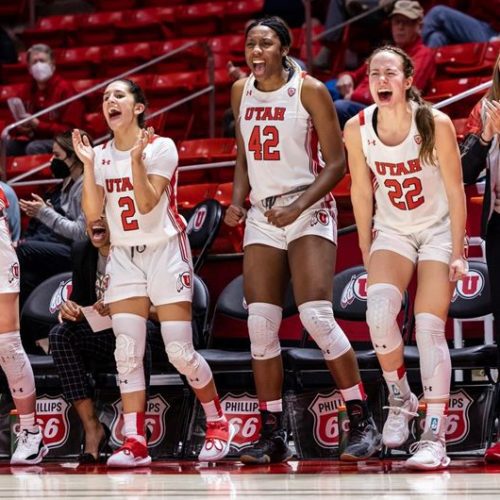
(424, 118)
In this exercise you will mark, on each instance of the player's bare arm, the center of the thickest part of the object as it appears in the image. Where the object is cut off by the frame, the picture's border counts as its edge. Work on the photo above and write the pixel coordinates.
(92, 193)
(448, 156)
(361, 186)
(235, 214)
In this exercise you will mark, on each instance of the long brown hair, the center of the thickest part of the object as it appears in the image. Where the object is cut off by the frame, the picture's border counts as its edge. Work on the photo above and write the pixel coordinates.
(424, 118)
(64, 139)
(494, 92)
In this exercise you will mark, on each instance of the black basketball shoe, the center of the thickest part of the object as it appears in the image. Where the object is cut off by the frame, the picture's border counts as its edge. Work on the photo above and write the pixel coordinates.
(363, 439)
(272, 445)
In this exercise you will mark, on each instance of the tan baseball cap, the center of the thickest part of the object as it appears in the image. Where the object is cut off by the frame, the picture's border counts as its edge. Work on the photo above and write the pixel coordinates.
(408, 8)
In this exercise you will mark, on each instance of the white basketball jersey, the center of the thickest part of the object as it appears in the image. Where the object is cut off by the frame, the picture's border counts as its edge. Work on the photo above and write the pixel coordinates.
(282, 148)
(113, 171)
(409, 195)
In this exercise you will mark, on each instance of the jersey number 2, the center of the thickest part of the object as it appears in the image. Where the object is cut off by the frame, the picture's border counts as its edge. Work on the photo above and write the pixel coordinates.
(128, 213)
(264, 150)
(405, 195)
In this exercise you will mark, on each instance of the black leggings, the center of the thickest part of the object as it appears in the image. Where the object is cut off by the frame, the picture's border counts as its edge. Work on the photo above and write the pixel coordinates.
(493, 262)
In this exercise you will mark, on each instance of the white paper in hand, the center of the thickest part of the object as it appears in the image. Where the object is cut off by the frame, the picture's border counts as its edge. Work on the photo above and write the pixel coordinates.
(97, 322)
(17, 108)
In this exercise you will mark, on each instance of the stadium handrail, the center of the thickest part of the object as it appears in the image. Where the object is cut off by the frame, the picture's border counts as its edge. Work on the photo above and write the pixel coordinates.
(151, 62)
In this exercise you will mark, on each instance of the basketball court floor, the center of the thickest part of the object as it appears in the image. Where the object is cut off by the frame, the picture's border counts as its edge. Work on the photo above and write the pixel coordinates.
(374, 479)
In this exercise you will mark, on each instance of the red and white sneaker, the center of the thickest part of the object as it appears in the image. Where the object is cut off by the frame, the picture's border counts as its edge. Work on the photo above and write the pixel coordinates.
(131, 454)
(217, 441)
(492, 454)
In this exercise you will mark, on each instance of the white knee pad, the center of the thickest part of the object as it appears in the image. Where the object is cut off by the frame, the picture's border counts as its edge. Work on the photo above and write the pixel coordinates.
(16, 366)
(382, 308)
(263, 325)
(130, 333)
(317, 318)
(435, 363)
(178, 339)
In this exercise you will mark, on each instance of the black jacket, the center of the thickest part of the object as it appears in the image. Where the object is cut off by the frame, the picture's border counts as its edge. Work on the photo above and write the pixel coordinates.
(84, 257)
(474, 156)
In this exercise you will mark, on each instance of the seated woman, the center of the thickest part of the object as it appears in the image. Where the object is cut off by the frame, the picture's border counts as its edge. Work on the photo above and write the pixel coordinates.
(57, 221)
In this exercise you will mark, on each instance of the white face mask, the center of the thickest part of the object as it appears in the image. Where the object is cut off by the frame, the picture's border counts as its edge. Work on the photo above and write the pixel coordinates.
(41, 71)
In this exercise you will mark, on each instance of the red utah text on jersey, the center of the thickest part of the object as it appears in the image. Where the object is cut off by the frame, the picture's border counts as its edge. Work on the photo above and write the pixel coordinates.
(397, 169)
(265, 113)
(119, 185)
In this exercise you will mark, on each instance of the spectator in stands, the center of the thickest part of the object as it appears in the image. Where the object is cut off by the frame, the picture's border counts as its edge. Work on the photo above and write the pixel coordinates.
(291, 228)
(481, 150)
(13, 360)
(13, 212)
(339, 11)
(414, 220)
(76, 348)
(406, 25)
(56, 222)
(445, 26)
(46, 89)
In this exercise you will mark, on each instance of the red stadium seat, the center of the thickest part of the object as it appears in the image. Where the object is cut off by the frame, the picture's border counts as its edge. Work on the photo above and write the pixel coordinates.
(199, 19)
(17, 165)
(173, 83)
(99, 28)
(188, 196)
(95, 125)
(146, 24)
(191, 58)
(55, 31)
(461, 59)
(79, 63)
(237, 13)
(8, 91)
(119, 58)
(459, 125)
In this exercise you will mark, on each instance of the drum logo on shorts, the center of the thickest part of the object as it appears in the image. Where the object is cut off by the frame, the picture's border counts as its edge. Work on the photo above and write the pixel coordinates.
(325, 410)
(320, 217)
(52, 417)
(62, 294)
(242, 410)
(183, 281)
(196, 222)
(13, 272)
(458, 421)
(355, 289)
(156, 408)
(470, 286)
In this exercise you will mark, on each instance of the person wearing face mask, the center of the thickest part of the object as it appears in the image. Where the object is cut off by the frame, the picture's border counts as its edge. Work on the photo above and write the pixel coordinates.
(46, 89)
(56, 222)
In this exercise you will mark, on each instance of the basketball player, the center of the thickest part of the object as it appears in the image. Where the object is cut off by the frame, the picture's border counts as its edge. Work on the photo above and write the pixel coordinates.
(13, 360)
(134, 178)
(406, 154)
(290, 229)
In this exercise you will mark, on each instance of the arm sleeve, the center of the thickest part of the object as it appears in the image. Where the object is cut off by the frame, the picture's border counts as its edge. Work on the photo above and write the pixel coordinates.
(164, 158)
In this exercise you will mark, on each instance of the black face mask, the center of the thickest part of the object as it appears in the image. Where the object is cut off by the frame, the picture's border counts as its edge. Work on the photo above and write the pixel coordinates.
(59, 168)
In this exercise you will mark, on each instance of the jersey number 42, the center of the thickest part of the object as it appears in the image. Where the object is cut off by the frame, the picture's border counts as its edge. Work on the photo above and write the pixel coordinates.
(262, 143)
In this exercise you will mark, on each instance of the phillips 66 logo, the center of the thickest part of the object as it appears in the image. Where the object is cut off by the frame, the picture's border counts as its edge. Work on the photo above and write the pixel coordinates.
(242, 410)
(156, 408)
(354, 290)
(458, 421)
(52, 417)
(62, 294)
(324, 409)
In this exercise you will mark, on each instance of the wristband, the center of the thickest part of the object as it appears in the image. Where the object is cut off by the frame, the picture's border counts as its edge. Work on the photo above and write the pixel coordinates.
(484, 141)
